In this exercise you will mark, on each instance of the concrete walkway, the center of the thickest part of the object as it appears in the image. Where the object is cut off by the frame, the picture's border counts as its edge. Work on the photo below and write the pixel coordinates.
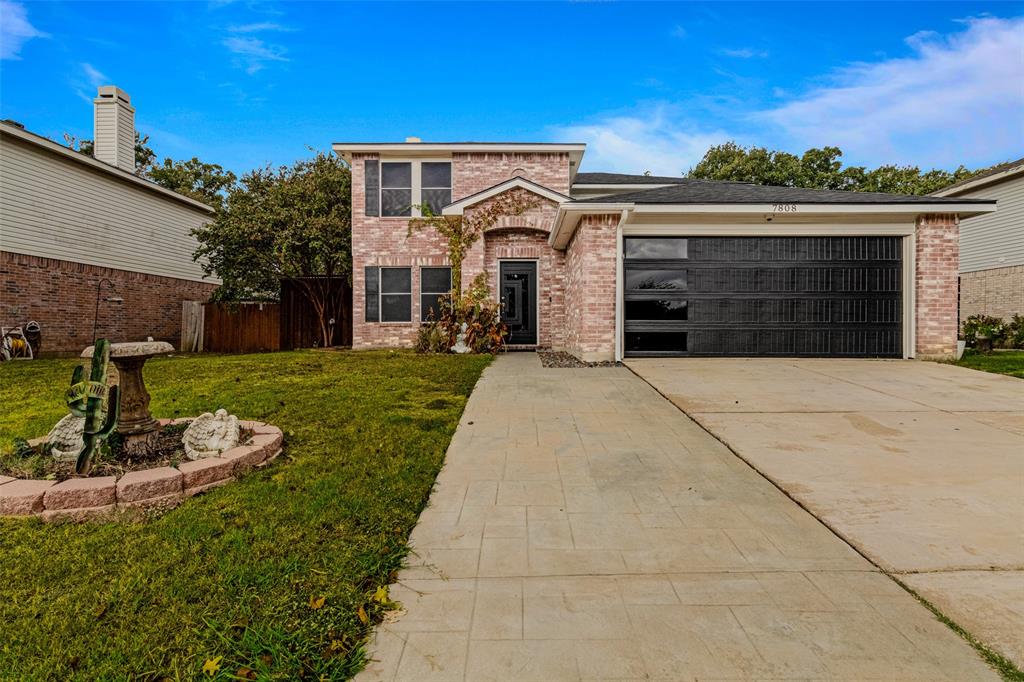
(583, 528)
(919, 465)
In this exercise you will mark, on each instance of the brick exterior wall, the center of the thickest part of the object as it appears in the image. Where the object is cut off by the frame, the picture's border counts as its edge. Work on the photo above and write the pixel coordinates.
(590, 288)
(61, 297)
(385, 241)
(935, 282)
(998, 292)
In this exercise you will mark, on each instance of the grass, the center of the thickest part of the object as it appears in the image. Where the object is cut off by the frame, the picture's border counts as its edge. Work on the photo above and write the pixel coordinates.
(1010, 363)
(235, 573)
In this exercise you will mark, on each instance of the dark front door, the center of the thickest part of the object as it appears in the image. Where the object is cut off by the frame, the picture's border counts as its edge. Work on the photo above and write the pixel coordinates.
(757, 296)
(519, 301)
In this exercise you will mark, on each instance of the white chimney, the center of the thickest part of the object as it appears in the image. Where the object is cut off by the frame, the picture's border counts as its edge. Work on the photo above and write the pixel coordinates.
(114, 128)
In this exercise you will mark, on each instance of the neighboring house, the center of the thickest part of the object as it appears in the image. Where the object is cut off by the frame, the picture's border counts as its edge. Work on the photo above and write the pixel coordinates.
(992, 245)
(75, 229)
(616, 265)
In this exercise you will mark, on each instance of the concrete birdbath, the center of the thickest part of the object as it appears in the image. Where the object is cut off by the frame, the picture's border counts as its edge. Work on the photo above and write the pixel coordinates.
(136, 424)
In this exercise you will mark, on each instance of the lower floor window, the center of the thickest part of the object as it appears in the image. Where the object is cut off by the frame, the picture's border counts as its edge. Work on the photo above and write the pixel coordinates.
(435, 286)
(396, 294)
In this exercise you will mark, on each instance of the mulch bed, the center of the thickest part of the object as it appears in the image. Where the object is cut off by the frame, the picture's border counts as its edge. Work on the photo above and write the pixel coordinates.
(550, 358)
(169, 451)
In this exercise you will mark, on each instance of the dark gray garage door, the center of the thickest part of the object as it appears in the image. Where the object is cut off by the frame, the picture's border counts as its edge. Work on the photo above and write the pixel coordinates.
(763, 296)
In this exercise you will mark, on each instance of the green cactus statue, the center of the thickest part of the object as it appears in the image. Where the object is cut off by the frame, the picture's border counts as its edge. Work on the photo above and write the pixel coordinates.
(96, 402)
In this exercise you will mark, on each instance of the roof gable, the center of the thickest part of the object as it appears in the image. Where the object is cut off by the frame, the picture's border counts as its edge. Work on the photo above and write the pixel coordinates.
(458, 207)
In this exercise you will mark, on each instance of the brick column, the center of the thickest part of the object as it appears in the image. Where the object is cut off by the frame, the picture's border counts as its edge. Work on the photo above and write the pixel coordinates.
(935, 281)
(590, 289)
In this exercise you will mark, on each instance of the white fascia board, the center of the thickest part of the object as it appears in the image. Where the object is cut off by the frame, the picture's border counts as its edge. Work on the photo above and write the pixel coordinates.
(119, 173)
(457, 207)
(772, 229)
(964, 210)
(346, 149)
(569, 214)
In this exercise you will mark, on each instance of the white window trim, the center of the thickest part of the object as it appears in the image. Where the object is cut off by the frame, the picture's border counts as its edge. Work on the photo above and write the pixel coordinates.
(381, 293)
(416, 193)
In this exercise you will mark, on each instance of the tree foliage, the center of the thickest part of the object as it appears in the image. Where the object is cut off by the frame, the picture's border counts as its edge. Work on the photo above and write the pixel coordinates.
(818, 169)
(206, 182)
(293, 222)
(463, 231)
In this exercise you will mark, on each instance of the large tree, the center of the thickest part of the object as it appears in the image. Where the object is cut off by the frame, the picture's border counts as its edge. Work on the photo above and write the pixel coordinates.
(817, 169)
(206, 182)
(290, 223)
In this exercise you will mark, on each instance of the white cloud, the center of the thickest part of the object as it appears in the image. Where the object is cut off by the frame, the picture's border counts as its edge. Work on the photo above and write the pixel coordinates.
(657, 140)
(95, 76)
(744, 53)
(260, 27)
(957, 99)
(678, 31)
(254, 54)
(15, 29)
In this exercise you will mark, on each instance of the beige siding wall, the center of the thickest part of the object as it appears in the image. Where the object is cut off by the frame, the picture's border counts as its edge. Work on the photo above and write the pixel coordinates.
(57, 208)
(995, 240)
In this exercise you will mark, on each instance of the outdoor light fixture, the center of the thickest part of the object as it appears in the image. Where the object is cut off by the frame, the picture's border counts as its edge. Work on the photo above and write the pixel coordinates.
(109, 299)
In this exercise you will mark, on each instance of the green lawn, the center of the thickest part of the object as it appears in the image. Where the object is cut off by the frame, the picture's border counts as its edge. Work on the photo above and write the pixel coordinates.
(1006, 362)
(235, 573)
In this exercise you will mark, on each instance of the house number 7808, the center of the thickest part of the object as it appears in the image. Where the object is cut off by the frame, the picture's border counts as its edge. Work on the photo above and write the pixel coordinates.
(784, 208)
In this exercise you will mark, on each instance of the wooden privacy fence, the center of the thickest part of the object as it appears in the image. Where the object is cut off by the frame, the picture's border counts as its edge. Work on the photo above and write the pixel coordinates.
(241, 327)
(260, 327)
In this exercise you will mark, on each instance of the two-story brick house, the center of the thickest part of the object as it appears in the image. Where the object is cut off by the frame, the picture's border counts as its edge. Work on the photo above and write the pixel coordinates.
(612, 265)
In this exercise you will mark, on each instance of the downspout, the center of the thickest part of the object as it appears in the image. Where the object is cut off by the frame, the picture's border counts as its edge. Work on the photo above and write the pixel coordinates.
(619, 283)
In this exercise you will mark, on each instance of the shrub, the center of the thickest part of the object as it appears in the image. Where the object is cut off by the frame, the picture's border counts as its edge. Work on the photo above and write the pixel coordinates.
(985, 326)
(485, 332)
(1015, 332)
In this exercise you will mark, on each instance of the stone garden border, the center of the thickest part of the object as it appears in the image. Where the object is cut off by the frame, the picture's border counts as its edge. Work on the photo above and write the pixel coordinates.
(80, 499)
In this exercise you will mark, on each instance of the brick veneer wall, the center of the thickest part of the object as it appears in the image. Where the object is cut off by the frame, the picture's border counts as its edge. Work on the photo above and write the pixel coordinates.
(61, 297)
(998, 292)
(938, 254)
(590, 289)
(385, 241)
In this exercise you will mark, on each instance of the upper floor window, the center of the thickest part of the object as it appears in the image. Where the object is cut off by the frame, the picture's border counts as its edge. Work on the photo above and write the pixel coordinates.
(396, 189)
(399, 188)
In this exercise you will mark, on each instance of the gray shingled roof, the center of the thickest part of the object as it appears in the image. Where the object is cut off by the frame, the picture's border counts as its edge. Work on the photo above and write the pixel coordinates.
(625, 179)
(713, 192)
(984, 174)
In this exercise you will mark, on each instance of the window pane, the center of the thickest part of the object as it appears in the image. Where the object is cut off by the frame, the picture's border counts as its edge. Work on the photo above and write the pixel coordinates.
(430, 303)
(396, 202)
(435, 280)
(655, 310)
(436, 199)
(655, 279)
(395, 308)
(436, 174)
(656, 342)
(396, 280)
(396, 174)
(655, 247)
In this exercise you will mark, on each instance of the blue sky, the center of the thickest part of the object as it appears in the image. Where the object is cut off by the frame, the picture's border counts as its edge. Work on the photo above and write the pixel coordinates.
(647, 86)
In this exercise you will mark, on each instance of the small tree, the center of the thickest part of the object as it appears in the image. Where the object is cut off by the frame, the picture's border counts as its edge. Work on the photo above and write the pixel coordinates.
(463, 231)
(292, 223)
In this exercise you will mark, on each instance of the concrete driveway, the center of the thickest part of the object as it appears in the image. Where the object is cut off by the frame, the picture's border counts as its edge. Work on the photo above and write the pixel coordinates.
(919, 465)
(583, 528)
